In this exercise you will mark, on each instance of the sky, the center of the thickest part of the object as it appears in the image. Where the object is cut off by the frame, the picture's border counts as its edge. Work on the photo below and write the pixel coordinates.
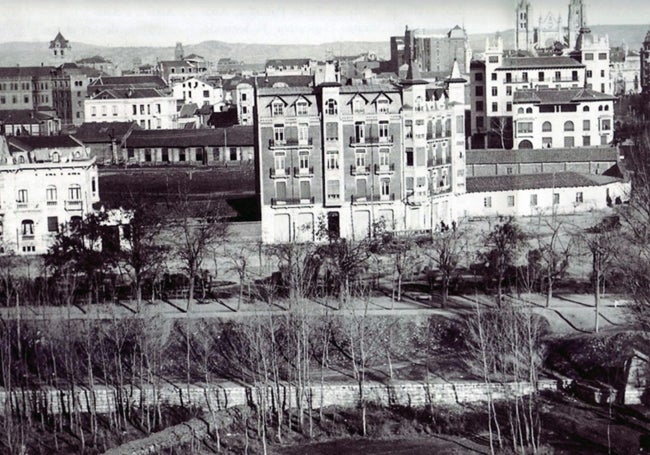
(164, 22)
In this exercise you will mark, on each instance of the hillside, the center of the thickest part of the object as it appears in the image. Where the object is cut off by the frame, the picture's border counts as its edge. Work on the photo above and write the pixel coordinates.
(34, 53)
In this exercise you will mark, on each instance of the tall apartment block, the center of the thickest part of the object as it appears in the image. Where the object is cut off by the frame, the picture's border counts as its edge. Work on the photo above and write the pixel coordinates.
(343, 159)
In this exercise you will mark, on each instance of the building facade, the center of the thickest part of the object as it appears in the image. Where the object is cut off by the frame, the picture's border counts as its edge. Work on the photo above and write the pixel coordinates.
(196, 91)
(350, 158)
(47, 182)
(645, 65)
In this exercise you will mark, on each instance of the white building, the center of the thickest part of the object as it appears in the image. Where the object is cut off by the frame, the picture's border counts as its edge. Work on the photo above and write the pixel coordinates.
(150, 108)
(593, 51)
(540, 194)
(47, 182)
(196, 91)
(565, 118)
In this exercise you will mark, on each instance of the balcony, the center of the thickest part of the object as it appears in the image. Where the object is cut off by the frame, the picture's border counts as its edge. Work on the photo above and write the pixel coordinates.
(27, 237)
(290, 143)
(439, 161)
(359, 170)
(73, 205)
(51, 203)
(370, 140)
(384, 168)
(287, 202)
(368, 199)
(303, 171)
(279, 173)
(22, 205)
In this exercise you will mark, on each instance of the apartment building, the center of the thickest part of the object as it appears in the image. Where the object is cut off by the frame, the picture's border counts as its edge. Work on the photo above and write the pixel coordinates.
(200, 92)
(350, 158)
(47, 182)
(150, 108)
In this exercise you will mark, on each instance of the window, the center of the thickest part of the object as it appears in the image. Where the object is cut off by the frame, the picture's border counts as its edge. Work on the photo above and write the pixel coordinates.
(509, 90)
(333, 189)
(383, 130)
(524, 127)
(277, 108)
(569, 141)
(508, 106)
(547, 127)
(74, 192)
(602, 56)
(332, 161)
(233, 155)
(164, 155)
(487, 201)
(142, 109)
(568, 126)
(508, 77)
(243, 97)
(605, 124)
(181, 155)
(331, 131)
(303, 160)
(409, 156)
(585, 109)
(533, 200)
(384, 157)
(281, 190)
(589, 73)
(21, 197)
(358, 106)
(206, 93)
(280, 161)
(479, 106)
(479, 90)
(589, 56)
(556, 198)
(93, 111)
(558, 75)
(495, 91)
(524, 76)
(385, 187)
(50, 195)
(158, 108)
(331, 107)
(382, 106)
(493, 76)
(52, 224)
(305, 189)
(278, 134)
(579, 197)
(360, 158)
(301, 108)
(493, 59)
(495, 107)
(135, 109)
(478, 76)
(27, 228)
(511, 200)
(586, 125)
(586, 141)
(540, 76)
(359, 131)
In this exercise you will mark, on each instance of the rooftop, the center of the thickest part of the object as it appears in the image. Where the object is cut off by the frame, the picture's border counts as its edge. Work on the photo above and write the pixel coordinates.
(103, 131)
(26, 71)
(288, 62)
(558, 155)
(30, 143)
(539, 62)
(535, 181)
(22, 117)
(234, 135)
(145, 80)
(122, 93)
(559, 95)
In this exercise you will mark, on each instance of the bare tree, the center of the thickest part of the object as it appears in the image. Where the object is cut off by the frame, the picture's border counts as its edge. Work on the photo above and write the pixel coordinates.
(555, 251)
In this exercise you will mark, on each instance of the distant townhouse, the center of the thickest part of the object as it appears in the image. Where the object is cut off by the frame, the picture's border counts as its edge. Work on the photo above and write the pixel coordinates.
(194, 90)
(289, 67)
(47, 182)
(190, 147)
(150, 108)
(105, 140)
(22, 122)
(98, 63)
(351, 158)
(179, 70)
(576, 117)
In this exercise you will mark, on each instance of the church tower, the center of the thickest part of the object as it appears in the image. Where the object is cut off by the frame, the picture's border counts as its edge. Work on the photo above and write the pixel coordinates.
(60, 48)
(577, 21)
(524, 26)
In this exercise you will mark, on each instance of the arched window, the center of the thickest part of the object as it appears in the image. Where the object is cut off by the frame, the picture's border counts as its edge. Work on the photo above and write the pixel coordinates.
(520, 110)
(585, 109)
(21, 159)
(529, 110)
(27, 227)
(525, 144)
(74, 192)
(600, 108)
(546, 127)
(568, 126)
(331, 107)
(56, 157)
(606, 107)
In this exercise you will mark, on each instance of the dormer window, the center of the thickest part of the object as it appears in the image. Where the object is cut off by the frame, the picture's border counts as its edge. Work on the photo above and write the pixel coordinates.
(382, 106)
(331, 107)
(277, 108)
(358, 106)
(56, 157)
(301, 108)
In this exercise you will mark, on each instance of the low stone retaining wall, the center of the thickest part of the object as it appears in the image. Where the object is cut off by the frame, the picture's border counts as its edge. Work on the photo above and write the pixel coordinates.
(226, 395)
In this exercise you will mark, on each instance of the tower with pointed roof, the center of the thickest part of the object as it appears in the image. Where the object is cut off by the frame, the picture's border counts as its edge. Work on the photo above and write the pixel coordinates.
(524, 32)
(60, 49)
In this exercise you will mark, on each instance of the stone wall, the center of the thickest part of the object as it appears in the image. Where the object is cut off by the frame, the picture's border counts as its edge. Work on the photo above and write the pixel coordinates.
(225, 395)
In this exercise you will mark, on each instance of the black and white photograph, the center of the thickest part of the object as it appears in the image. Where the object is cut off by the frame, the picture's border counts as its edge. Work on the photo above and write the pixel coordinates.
(314, 228)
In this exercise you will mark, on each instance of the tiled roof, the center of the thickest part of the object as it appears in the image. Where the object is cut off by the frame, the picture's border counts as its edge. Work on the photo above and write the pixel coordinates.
(59, 39)
(369, 88)
(93, 132)
(188, 110)
(26, 71)
(145, 80)
(535, 181)
(30, 143)
(192, 56)
(22, 117)
(286, 91)
(559, 95)
(559, 155)
(287, 62)
(270, 81)
(539, 62)
(129, 93)
(235, 135)
(93, 59)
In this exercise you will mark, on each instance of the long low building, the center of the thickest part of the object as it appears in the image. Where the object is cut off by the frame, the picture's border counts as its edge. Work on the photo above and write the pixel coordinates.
(190, 146)
(586, 160)
(541, 194)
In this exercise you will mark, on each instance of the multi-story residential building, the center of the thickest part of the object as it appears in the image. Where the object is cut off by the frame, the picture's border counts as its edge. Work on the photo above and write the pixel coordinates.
(200, 92)
(47, 182)
(290, 67)
(179, 70)
(645, 65)
(150, 108)
(548, 118)
(190, 147)
(593, 51)
(351, 158)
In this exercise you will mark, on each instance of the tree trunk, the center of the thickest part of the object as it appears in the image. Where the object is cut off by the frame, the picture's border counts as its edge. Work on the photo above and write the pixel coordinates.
(596, 300)
(445, 291)
(549, 292)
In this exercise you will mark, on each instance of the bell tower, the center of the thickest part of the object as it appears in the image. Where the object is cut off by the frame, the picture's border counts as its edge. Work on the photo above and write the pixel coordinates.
(577, 21)
(524, 26)
(60, 49)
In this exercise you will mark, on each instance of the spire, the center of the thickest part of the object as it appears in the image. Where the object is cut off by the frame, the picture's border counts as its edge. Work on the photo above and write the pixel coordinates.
(413, 71)
(455, 71)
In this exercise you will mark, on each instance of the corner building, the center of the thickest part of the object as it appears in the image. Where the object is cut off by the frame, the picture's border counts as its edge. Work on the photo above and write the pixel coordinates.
(346, 158)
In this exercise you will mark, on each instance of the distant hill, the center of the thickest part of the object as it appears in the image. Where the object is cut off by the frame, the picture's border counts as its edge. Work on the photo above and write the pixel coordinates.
(33, 53)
